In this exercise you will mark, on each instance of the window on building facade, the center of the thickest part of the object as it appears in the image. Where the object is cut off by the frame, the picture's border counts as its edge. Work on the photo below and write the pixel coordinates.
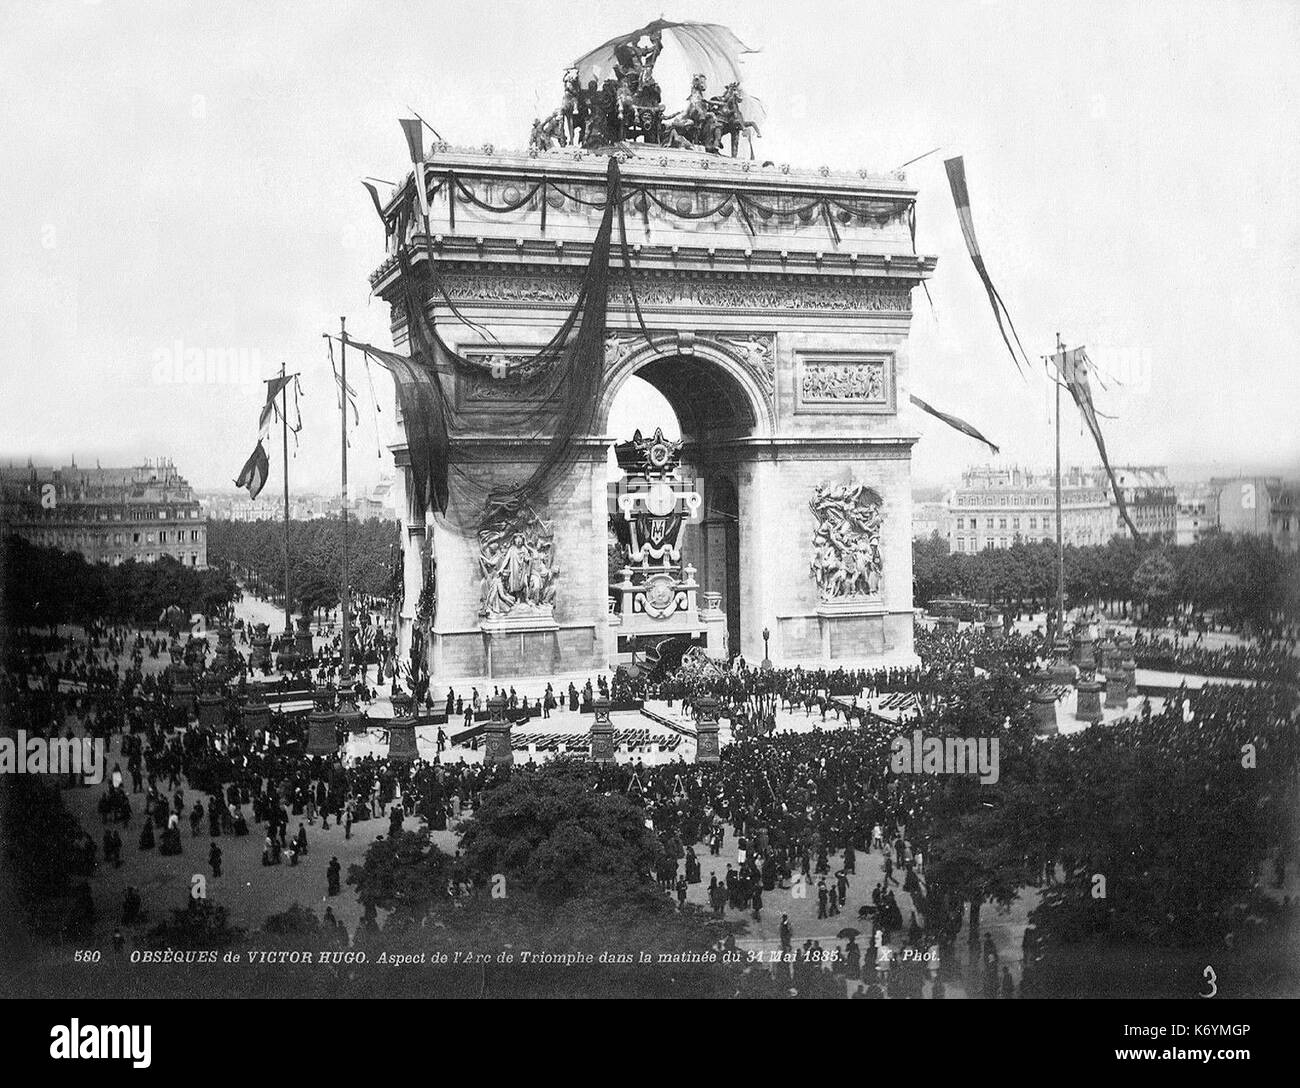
(961, 544)
(1002, 523)
(988, 523)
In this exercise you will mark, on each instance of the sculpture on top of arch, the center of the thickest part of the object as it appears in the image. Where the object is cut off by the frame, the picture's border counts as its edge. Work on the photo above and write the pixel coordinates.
(611, 95)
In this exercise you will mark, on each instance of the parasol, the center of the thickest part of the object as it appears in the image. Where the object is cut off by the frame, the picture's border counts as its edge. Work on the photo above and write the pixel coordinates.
(848, 933)
(709, 48)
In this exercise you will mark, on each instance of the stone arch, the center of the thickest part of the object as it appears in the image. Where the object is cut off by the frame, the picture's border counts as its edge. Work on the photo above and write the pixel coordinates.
(726, 388)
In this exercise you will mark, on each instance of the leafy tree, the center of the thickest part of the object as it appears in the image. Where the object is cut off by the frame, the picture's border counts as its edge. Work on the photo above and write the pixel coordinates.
(553, 835)
(404, 874)
(1154, 583)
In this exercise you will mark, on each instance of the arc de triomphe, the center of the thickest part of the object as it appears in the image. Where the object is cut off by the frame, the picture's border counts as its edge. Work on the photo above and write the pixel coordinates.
(780, 341)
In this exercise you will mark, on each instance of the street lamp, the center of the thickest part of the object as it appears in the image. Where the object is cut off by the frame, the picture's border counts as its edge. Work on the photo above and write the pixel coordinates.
(767, 661)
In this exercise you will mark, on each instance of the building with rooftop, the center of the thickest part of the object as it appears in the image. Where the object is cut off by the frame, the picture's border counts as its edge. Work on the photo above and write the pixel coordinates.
(107, 515)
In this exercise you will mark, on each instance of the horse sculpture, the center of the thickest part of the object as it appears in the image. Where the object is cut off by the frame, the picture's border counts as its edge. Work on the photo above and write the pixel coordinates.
(732, 122)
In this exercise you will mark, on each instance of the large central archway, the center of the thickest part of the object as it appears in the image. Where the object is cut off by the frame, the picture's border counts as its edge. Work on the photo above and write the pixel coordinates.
(715, 403)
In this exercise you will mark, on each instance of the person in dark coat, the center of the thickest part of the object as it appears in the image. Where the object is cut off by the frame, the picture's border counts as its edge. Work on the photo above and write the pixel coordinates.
(332, 872)
(214, 859)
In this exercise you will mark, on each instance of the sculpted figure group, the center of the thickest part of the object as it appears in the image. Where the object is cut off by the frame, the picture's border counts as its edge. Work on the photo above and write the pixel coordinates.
(517, 568)
(628, 107)
(846, 542)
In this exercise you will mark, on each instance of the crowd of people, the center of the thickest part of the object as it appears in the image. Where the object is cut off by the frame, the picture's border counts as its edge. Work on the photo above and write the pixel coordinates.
(1270, 661)
(802, 808)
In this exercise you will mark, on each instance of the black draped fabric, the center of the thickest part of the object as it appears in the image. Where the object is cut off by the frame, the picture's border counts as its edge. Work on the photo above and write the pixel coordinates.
(955, 422)
(561, 383)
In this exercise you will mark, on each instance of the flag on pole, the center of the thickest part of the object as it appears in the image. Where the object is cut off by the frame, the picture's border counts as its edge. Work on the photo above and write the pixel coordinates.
(414, 132)
(1072, 367)
(953, 421)
(379, 205)
(961, 197)
(255, 471)
(274, 387)
(345, 390)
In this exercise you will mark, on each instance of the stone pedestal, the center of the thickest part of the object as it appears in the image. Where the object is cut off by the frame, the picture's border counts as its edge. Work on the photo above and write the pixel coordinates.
(1108, 654)
(1129, 668)
(523, 641)
(707, 749)
(1083, 652)
(183, 686)
(322, 737)
(401, 740)
(602, 732)
(1044, 707)
(1116, 689)
(993, 625)
(1088, 704)
(302, 639)
(255, 714)
(496, 748)
(1062, 671)
(350, 718)
(259, 655)
(212, 704)
(227, 657)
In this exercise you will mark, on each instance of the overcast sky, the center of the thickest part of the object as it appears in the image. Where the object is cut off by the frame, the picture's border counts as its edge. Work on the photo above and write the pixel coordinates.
(185, 175)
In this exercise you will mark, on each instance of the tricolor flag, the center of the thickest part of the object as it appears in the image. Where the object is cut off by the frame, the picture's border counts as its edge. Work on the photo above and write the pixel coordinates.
(952, 421)
(1072, 367)
(255, 471)
(961, 197)
(274, 387)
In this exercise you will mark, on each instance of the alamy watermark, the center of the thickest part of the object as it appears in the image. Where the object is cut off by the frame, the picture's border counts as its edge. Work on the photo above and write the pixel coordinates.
(83, 756)
(919, 754)
(178, 363)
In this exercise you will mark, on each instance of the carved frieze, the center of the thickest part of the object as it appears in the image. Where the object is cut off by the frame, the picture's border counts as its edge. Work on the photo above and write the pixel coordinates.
(504, 378)
(844, 295)
(842, 383)
(830, 383)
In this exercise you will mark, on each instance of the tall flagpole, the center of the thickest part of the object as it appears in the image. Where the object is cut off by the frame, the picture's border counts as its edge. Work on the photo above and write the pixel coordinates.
(1060, 539)
(346, 673)
(284, 421)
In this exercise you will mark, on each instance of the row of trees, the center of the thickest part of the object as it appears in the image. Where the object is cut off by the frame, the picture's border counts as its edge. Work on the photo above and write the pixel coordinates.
(44, 585)
(255, 550)
(1246, 579)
